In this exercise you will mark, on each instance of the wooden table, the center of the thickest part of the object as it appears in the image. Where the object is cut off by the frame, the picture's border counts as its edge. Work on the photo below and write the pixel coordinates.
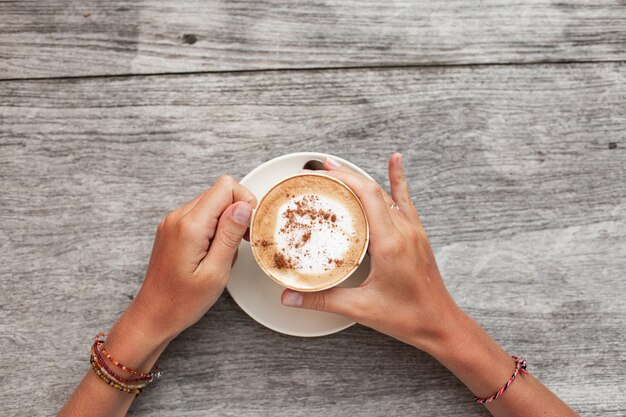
(512, 119)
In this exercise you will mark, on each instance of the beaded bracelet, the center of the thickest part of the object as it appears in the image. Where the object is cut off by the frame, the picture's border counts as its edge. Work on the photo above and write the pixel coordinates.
(520, 366)
(96, 351)
(134, 383)
(109, 381)
(129, 385)
(156, 372)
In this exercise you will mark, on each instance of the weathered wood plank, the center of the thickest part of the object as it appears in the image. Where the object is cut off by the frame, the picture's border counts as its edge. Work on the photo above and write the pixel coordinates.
(54, 38)
(511, 168)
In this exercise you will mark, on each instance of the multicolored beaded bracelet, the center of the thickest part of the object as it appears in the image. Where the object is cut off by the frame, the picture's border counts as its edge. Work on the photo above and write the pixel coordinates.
(129, 385)
(109, 381)
(520, 366)
(154, 373)
(140, 379)
(122, 387)
(117, 378)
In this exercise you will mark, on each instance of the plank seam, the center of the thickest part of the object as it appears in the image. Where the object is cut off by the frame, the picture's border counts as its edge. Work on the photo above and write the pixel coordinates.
(321, 69)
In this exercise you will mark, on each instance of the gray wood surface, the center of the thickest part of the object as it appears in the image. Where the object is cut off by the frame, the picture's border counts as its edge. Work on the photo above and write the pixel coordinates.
(518, 171)
(54, 38)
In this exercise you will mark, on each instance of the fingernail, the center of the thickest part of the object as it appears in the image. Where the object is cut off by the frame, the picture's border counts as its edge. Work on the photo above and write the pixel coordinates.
(400, 160)
(292, 299)
(242, 213)
(333, 164)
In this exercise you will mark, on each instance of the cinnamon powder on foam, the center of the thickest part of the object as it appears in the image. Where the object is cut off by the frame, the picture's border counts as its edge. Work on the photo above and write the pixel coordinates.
(304, 208)
(298, 247)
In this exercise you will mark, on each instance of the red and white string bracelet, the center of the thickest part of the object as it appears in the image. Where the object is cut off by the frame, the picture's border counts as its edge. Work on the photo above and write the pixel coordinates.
(520, 366)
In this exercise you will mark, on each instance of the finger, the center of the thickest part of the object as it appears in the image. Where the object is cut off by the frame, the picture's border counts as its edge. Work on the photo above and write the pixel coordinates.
(388, 200)
(234, 258)
(332, 164)
(372, 197)
(185, 208)
(396, 215)
(400, 188)
(205, 214)
(232, 225)
(345, 301)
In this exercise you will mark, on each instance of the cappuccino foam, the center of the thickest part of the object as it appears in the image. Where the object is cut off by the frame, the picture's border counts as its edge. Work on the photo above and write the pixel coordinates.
(309, 232)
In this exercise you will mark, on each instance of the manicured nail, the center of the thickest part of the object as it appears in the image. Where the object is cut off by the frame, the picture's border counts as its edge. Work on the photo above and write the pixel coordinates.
(333, 164)
(292, 299)
(242, 213)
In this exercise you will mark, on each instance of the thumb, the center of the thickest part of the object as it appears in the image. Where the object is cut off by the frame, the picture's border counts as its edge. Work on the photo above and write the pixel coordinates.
(231, 227)
(345, 301)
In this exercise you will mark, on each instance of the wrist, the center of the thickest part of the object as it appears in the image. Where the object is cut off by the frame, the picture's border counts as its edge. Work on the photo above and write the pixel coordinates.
(453, 333)
(442, 331)
(472, 355)
(135, 341)
(147, 319)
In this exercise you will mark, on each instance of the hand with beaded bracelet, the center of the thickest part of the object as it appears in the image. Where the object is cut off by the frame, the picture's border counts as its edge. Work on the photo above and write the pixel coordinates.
(405, 297)
(191, 259)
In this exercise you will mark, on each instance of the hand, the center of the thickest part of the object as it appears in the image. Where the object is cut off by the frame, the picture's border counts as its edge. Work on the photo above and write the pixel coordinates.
(192, 256)
(404, 295)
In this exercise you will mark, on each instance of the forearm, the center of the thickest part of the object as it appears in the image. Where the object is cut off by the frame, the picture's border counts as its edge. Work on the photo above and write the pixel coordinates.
(484, 367)
(132, 343)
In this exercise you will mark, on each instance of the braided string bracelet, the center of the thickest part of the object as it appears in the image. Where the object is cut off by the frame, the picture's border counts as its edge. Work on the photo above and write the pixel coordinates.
(520, 366)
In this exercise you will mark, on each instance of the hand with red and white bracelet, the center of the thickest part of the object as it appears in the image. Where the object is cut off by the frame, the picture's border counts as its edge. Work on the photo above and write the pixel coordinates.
(405, 297)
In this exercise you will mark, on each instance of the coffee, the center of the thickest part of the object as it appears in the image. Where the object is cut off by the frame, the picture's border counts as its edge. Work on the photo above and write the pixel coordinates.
(309, 232)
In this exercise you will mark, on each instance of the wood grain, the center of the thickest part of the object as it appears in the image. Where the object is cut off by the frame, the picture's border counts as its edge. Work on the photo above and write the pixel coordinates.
(54, 38)
(518, 172)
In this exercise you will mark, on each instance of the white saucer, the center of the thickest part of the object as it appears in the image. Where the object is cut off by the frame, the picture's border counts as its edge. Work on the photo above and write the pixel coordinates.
(256, 293)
